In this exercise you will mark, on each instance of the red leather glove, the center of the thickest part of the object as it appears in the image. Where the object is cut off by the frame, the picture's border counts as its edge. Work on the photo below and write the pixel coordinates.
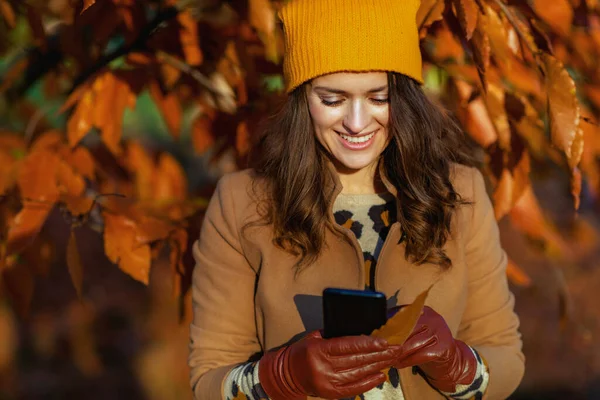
(328, 368)
(444, 360)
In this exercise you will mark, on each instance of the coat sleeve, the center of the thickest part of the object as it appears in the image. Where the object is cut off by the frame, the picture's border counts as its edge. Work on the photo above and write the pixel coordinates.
(489, 323)
(223, 330)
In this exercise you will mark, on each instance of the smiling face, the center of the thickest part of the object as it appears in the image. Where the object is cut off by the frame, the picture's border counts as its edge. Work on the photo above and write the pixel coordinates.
(350, 114)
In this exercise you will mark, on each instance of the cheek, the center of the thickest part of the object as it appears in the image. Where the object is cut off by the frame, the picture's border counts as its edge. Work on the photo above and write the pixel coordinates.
(323, 117)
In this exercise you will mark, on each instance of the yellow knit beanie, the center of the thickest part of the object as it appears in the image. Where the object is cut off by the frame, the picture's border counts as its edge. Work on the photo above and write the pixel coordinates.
(325, 36)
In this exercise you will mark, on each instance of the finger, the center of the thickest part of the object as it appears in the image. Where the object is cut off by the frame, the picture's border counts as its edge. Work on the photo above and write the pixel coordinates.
(416, 343)
(415, 359)
(355, 345)
(341, 363)
(358, 373)
(362, 386)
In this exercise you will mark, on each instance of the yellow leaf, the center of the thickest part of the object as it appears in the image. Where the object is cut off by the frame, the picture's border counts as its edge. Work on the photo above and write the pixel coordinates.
(397, 329)
(503, 194)
(170, 182)
(480, 45)
(564, 110)
(74, 263)
(494, 100)
(467, 11)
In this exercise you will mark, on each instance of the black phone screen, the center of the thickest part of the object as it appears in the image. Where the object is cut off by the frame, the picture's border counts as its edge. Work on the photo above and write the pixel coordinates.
(348, 312)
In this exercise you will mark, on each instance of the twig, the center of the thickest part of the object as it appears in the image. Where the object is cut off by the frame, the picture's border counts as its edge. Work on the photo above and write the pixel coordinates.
(138, 44)
(188, 69)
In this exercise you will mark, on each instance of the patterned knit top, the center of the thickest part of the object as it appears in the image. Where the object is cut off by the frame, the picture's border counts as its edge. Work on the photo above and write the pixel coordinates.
(369, 217)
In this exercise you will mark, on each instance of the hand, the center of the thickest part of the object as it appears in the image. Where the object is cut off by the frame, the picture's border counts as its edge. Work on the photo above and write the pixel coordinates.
(328, 368)
(444, 360)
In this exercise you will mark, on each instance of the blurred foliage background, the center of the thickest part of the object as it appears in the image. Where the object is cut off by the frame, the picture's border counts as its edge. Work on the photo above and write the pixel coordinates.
(117, 117)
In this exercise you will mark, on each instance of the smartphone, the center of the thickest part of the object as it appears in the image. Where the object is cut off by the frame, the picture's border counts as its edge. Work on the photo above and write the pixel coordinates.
(348, 312)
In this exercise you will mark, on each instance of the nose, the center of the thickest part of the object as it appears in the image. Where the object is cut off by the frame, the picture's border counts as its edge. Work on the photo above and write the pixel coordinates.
(357, 117)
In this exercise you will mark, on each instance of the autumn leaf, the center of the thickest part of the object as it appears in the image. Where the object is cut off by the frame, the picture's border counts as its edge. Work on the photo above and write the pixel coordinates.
(480, 46)
(169, 106)
(242, 139)
(498, 36)
(87, 4)
(429, 12)
(121, 247)
(39, 191)
(576, 186)
(8, 13)
(516, 275)
(188, 36)
(262, 18)
(563, 109)
(494, 100)
(474, 116)
(74, 263)
(503, 194)
(170, 182)
(397, 329)
(556, 13)
(202, 135)
(467, 11)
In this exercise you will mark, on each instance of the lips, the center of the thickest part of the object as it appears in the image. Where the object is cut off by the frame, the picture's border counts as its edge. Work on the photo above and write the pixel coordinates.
(356, 139)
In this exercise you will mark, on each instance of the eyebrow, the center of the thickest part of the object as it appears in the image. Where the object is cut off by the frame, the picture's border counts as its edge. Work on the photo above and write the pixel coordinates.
(338, 91)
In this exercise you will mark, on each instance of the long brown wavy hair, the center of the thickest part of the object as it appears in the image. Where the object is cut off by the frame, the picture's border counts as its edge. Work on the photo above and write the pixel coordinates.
(292, 163)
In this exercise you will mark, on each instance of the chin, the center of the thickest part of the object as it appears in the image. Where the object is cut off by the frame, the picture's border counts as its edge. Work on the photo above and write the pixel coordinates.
(355, 164)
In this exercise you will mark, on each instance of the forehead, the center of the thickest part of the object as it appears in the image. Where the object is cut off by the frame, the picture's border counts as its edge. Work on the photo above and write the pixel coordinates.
(352, 82)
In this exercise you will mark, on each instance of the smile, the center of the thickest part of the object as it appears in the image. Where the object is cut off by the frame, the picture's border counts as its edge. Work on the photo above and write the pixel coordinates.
(360, 139)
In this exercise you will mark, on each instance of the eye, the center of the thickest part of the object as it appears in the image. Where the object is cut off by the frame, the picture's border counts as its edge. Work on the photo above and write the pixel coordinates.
(331, 103)
(380, 101)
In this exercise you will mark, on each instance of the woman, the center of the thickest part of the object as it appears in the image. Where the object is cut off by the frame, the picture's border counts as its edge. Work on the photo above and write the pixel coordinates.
(359, 183)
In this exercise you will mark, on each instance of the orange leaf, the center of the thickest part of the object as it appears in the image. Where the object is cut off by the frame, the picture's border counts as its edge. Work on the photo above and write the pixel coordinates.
(503, 195)
(170, 182)
(87, 4)
(397, 329)
(8, 13)
(77, 205)
(475, 116)
(498, 38)
(140, 163)
(564, 110)
(80, 160)
(121, 248)
(480, 45)
(202, 136)
(495, 105)
(467, 11)
(556, 13)
(429, 12)
(517, 275)
(262, 17)
(169, 106)
(37, 177)
(446, 46)
(242, 139)
(74, 263)
(527, 216)
(80, 122)
(188, 35)
(576, 186)
(68, 181)
(25, 226)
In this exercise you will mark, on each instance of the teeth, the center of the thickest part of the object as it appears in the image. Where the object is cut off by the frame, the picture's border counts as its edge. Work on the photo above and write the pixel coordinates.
(357, 140)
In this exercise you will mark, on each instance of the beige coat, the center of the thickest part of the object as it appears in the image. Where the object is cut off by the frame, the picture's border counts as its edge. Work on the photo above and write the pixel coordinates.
(246, 301)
